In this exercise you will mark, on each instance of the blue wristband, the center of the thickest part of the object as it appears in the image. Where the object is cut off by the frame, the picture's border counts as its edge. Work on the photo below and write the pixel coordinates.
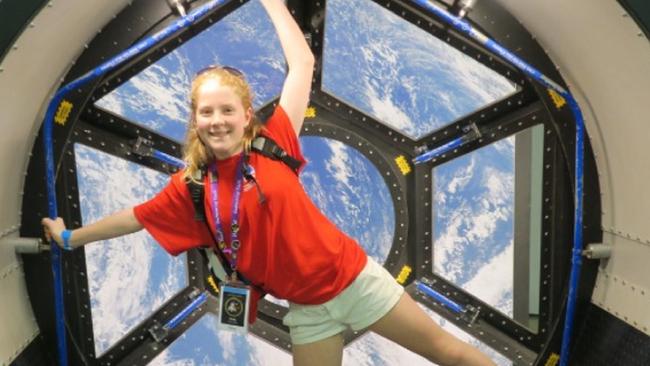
(65, 235)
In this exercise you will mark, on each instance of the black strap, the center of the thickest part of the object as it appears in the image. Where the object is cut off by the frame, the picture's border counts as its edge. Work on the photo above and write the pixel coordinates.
(269, 148)
(197, 194)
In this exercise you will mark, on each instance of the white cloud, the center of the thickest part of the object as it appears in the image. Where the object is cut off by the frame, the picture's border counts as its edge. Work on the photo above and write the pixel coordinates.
(163, 91)
(447, 244)
(112, 102)
(339, 163)
(494, 281)
(226, 340)
(505, 146)
(165, 358)
(264, 353)
(462, 177)
(385, 110)
(500, 185)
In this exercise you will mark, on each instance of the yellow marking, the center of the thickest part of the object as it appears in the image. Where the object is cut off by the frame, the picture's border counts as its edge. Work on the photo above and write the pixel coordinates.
(63, 112)
(552, 359)
(558, 100)
(403, 164)
(310, 112)
(213, 284)
(403, 274)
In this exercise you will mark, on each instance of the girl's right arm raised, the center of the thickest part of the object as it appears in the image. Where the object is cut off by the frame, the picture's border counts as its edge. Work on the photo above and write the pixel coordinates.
(118, 224)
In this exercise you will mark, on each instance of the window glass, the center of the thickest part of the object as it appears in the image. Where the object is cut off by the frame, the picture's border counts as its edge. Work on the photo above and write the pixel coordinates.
(473, 223)
(131, 276)
(351, 192)
(480, 200)
(158, 97)
(399, 74)
(204, 344)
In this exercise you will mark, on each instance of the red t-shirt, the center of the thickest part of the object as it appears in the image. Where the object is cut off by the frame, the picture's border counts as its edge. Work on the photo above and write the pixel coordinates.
(288, 247)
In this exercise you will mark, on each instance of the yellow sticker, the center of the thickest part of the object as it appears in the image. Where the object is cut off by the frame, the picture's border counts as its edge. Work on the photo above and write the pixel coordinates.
(403, 274)
(403, 164)
(558, 100)
(310, 112)
(213, 284)
(552, 359)
(63, 112)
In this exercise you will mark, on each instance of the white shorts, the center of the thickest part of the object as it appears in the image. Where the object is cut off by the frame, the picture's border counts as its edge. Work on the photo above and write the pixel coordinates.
(367, 299)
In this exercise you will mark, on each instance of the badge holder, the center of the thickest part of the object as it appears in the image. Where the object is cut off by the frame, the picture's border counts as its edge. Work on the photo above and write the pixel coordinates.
(234, 300)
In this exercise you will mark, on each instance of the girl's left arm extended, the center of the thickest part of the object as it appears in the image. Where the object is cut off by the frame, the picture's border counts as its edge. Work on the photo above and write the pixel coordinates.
(295, 92)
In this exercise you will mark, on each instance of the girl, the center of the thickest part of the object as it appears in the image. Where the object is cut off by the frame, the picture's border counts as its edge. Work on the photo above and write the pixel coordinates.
(270, 232)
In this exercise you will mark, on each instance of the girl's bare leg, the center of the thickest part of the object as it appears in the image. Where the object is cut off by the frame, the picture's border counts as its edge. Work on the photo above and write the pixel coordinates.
(326, 352)
(408, 325)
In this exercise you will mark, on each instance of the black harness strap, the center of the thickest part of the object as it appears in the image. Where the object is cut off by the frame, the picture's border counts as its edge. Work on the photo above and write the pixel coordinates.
(197, 194)
(269, 148)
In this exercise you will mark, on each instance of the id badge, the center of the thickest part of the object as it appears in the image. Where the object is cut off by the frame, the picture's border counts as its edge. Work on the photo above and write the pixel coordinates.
(234, 301)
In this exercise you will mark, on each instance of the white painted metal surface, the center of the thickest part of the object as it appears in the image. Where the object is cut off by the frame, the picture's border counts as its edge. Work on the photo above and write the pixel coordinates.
(621, 289)
(29, 73)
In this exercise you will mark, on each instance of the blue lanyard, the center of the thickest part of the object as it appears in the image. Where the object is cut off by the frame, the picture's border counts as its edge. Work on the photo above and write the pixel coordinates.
(234, 227)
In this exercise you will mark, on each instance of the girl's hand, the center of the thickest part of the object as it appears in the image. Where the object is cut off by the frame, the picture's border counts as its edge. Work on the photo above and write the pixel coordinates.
(53, 229)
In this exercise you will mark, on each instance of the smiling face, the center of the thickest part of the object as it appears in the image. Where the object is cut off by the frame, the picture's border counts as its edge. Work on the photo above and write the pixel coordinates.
(220, 118)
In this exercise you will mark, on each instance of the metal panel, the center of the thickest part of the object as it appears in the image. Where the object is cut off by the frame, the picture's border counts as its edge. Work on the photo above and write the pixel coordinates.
(18, 323)
(621, 287)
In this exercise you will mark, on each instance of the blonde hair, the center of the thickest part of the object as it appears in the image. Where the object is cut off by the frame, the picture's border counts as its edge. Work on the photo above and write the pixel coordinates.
(195, 153)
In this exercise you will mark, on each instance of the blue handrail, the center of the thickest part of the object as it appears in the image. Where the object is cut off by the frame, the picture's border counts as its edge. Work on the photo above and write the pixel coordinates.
(576, 258)
(438, 151)
(169, 159)
(183, 314)
(113, 63)
(439, 297)
(471, 133)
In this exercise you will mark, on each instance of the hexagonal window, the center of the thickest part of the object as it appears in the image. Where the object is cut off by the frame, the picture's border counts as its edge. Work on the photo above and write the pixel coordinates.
(158, 97)
(131, 276)
(486, 223)
(399, 74)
